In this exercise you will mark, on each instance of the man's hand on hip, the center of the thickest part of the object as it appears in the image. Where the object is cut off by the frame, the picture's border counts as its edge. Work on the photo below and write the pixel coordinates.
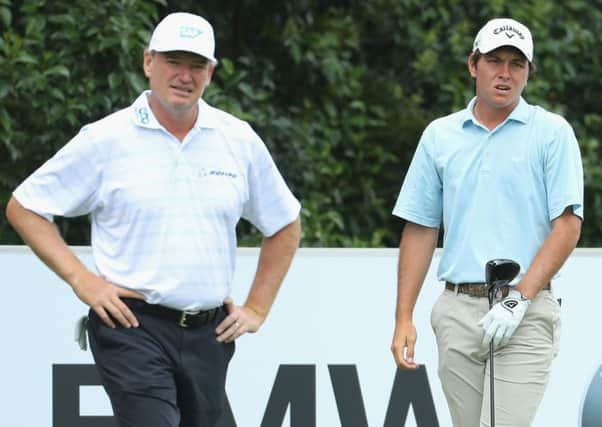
(502, 320)
(105, 299)
(240, 319)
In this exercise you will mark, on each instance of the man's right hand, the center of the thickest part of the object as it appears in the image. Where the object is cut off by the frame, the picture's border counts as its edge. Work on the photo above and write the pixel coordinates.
(105, 299)
(43, 237)
(402, 347)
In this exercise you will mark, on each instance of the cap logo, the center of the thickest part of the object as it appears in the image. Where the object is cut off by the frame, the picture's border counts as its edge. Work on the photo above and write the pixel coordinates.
(190, 32)
(508, 30)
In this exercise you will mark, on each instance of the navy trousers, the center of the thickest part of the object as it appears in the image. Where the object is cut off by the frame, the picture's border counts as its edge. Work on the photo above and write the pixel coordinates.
(161, 374)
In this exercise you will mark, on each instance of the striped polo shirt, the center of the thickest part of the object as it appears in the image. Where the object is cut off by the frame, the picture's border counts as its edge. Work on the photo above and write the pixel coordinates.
(164, 212)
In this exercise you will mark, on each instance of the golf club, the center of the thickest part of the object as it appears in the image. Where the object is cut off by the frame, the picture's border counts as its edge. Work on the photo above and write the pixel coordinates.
(498, 273)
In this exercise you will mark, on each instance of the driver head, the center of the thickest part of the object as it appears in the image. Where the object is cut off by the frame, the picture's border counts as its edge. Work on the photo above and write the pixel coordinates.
(500, 272)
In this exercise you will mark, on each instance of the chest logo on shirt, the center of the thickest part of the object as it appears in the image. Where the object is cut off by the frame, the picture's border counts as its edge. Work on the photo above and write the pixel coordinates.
(216, 172)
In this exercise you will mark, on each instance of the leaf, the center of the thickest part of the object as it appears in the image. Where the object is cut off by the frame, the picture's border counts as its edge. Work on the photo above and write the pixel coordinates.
(25, 58)
(5, 17)
(57, 70)
(4, 88)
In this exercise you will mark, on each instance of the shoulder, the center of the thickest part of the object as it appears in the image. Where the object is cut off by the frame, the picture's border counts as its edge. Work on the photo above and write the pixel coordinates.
(548, 117)
(112, 125)
(451, 120)
(104, 137)
(454, 120)
(551, 128)
(446, 126)
(236, 133)
(228, 123)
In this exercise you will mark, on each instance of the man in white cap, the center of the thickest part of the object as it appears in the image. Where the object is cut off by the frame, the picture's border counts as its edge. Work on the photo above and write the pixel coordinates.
(165, 182)
(505, 180)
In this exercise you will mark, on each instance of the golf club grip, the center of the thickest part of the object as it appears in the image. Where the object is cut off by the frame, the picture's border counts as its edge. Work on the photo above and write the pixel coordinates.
(491, 385)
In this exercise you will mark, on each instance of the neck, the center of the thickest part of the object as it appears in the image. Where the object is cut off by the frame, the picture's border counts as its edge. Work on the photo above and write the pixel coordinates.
(176, 122)
(491, 117)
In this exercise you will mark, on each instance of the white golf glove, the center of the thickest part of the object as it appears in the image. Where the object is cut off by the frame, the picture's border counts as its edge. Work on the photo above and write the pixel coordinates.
(503, 319)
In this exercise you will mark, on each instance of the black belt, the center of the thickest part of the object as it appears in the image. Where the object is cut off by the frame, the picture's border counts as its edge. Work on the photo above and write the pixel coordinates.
(185, 319)
(480, 289)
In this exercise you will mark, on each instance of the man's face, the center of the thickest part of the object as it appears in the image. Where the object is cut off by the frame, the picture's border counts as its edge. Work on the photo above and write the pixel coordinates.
(501, 75)
(177, 79)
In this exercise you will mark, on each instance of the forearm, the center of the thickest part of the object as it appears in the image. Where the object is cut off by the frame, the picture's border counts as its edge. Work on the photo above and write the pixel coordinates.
(46, 242)
(555, 250)
(415, 254)
(275, 258)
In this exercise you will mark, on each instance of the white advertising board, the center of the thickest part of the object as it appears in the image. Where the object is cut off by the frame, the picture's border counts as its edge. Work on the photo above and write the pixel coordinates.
(321, 359)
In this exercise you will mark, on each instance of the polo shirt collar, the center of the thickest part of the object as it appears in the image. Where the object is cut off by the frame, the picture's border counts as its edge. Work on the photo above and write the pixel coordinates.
(206, 117)
(519, 114)
(143, 115)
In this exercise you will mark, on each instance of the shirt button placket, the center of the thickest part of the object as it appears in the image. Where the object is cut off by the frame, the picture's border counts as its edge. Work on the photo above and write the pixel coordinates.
(486, 159)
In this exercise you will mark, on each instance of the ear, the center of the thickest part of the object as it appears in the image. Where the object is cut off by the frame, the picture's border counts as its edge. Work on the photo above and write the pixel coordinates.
(147, 62)
(211, 70)
(472, 66)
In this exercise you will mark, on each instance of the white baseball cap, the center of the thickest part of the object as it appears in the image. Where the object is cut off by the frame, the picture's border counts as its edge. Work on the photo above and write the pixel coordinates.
(504, 32)
(186, 32)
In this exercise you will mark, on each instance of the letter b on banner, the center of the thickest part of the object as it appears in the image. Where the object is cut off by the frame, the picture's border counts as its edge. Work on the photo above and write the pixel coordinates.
(66, 380)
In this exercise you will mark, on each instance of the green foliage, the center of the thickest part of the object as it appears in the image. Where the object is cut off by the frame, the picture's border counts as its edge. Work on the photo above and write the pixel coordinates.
(342, 90)
(63, 64)
(339, 90)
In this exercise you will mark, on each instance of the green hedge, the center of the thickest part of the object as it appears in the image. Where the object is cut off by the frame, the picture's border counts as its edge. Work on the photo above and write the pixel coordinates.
(339, 90)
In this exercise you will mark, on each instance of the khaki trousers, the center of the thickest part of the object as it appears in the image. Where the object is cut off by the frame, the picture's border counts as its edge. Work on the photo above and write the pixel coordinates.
(522, 367)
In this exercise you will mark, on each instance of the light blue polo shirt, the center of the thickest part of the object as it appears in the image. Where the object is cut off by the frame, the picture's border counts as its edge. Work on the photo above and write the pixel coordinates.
(497, 191)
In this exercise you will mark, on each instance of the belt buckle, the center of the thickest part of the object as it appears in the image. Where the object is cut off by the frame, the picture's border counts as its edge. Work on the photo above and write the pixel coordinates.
(184, 318)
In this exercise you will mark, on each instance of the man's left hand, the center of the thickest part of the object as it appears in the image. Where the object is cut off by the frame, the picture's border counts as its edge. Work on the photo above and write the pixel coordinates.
(503, 319)
(240, 320)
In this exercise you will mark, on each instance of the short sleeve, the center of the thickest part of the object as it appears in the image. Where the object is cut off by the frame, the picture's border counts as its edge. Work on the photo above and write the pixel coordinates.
(420, 197)
(271, 205)
(564, 173)
(68, 184)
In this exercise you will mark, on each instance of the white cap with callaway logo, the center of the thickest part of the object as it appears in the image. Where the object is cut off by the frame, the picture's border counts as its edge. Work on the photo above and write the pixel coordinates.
(504, 32)
(186, 32)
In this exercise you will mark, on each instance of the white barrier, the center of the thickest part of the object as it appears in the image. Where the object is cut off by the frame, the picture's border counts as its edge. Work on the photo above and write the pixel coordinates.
(331, 323)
